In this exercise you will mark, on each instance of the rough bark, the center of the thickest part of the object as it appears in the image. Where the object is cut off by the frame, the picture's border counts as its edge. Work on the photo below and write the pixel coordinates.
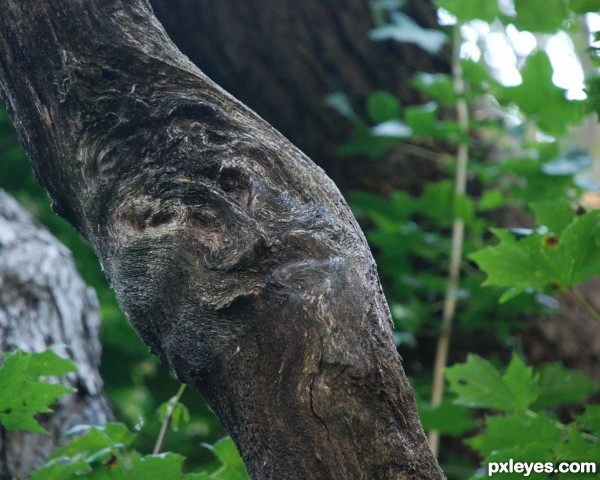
(45, 304)
(282, 58)
(232, 254)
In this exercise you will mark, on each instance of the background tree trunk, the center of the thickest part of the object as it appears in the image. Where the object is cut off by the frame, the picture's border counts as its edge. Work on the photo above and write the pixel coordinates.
(282, 58)
(233, 255)
(45, 304)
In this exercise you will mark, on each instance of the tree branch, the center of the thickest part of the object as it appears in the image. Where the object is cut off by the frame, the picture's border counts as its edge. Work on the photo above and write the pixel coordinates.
(235, 258)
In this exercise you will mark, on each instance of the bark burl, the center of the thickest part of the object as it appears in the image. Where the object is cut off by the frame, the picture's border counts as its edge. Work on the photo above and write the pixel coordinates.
(232, 254)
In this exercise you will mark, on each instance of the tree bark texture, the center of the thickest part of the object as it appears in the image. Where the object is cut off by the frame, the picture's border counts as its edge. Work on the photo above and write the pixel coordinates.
(45, 304)
(235, 258)
(282, 58)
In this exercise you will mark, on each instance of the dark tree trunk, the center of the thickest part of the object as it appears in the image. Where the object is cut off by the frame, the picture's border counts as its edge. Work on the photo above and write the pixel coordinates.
(45, 304)
(233, 255)
(282, 58)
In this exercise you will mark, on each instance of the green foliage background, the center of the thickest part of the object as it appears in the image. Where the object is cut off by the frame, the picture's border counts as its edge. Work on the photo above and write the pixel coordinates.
(496, 404)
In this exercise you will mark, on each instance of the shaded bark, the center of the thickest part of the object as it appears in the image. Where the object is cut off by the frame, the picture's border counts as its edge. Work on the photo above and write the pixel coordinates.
(282, 58)
(235, 258)
(45, 304)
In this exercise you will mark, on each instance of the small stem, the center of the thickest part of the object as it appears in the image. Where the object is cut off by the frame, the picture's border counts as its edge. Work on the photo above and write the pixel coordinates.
(585, 303)
(164, 428)
(458, 231)
(421, 152)
(562, 426)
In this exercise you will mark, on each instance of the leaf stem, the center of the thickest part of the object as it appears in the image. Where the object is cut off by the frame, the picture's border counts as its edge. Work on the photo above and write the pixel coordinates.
(458, 230)
(164, 428)
(562, 426)
(580, 298)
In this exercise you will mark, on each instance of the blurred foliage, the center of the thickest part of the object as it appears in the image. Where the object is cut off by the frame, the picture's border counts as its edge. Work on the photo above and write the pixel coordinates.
(520, 424)
(522, 159)
(105, 452)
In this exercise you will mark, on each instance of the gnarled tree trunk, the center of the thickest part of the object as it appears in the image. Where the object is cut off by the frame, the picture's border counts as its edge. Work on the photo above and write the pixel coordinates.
(232, 254)
(45, 304)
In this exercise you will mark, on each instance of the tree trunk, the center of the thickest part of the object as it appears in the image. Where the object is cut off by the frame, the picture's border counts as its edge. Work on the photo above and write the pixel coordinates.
(232, 254)
(45, 304)
(282, 59)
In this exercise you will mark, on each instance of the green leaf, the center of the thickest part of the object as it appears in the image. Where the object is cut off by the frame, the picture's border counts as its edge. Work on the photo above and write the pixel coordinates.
(539, 261)
(398, 210)
(577, 448)
(48, 363)
(590, 418)
(467, 10)
(514, 263)
(437, 201)
(539, 98)
(438, 87)
(561, 386)
(180, 415)
(233, 467)
(23, 394)
(60, 471)
(540, 15)
(383, 106)
(423, 120)
(105, 439)
(366, 143)
(584, 6)
(517, 436)
(448, 418)
(96, 444)
(554, 214)
(404, 29)
(478, 78)
(521, 381)
(166, 465)
(99, 454)
(477, 383)
(464, 208)
(491, 200)
(580, 246)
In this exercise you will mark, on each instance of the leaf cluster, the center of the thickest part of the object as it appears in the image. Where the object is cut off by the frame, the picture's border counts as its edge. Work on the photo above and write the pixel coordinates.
(562, 253)
(25, 392)
(106, 453)
(520, 423)
(515, 413)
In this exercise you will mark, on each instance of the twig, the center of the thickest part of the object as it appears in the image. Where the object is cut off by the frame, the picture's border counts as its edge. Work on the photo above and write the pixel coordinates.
(458, 230)
(164, 428)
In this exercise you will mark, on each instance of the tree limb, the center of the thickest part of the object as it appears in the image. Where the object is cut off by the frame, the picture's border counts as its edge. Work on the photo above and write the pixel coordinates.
(235, 258)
